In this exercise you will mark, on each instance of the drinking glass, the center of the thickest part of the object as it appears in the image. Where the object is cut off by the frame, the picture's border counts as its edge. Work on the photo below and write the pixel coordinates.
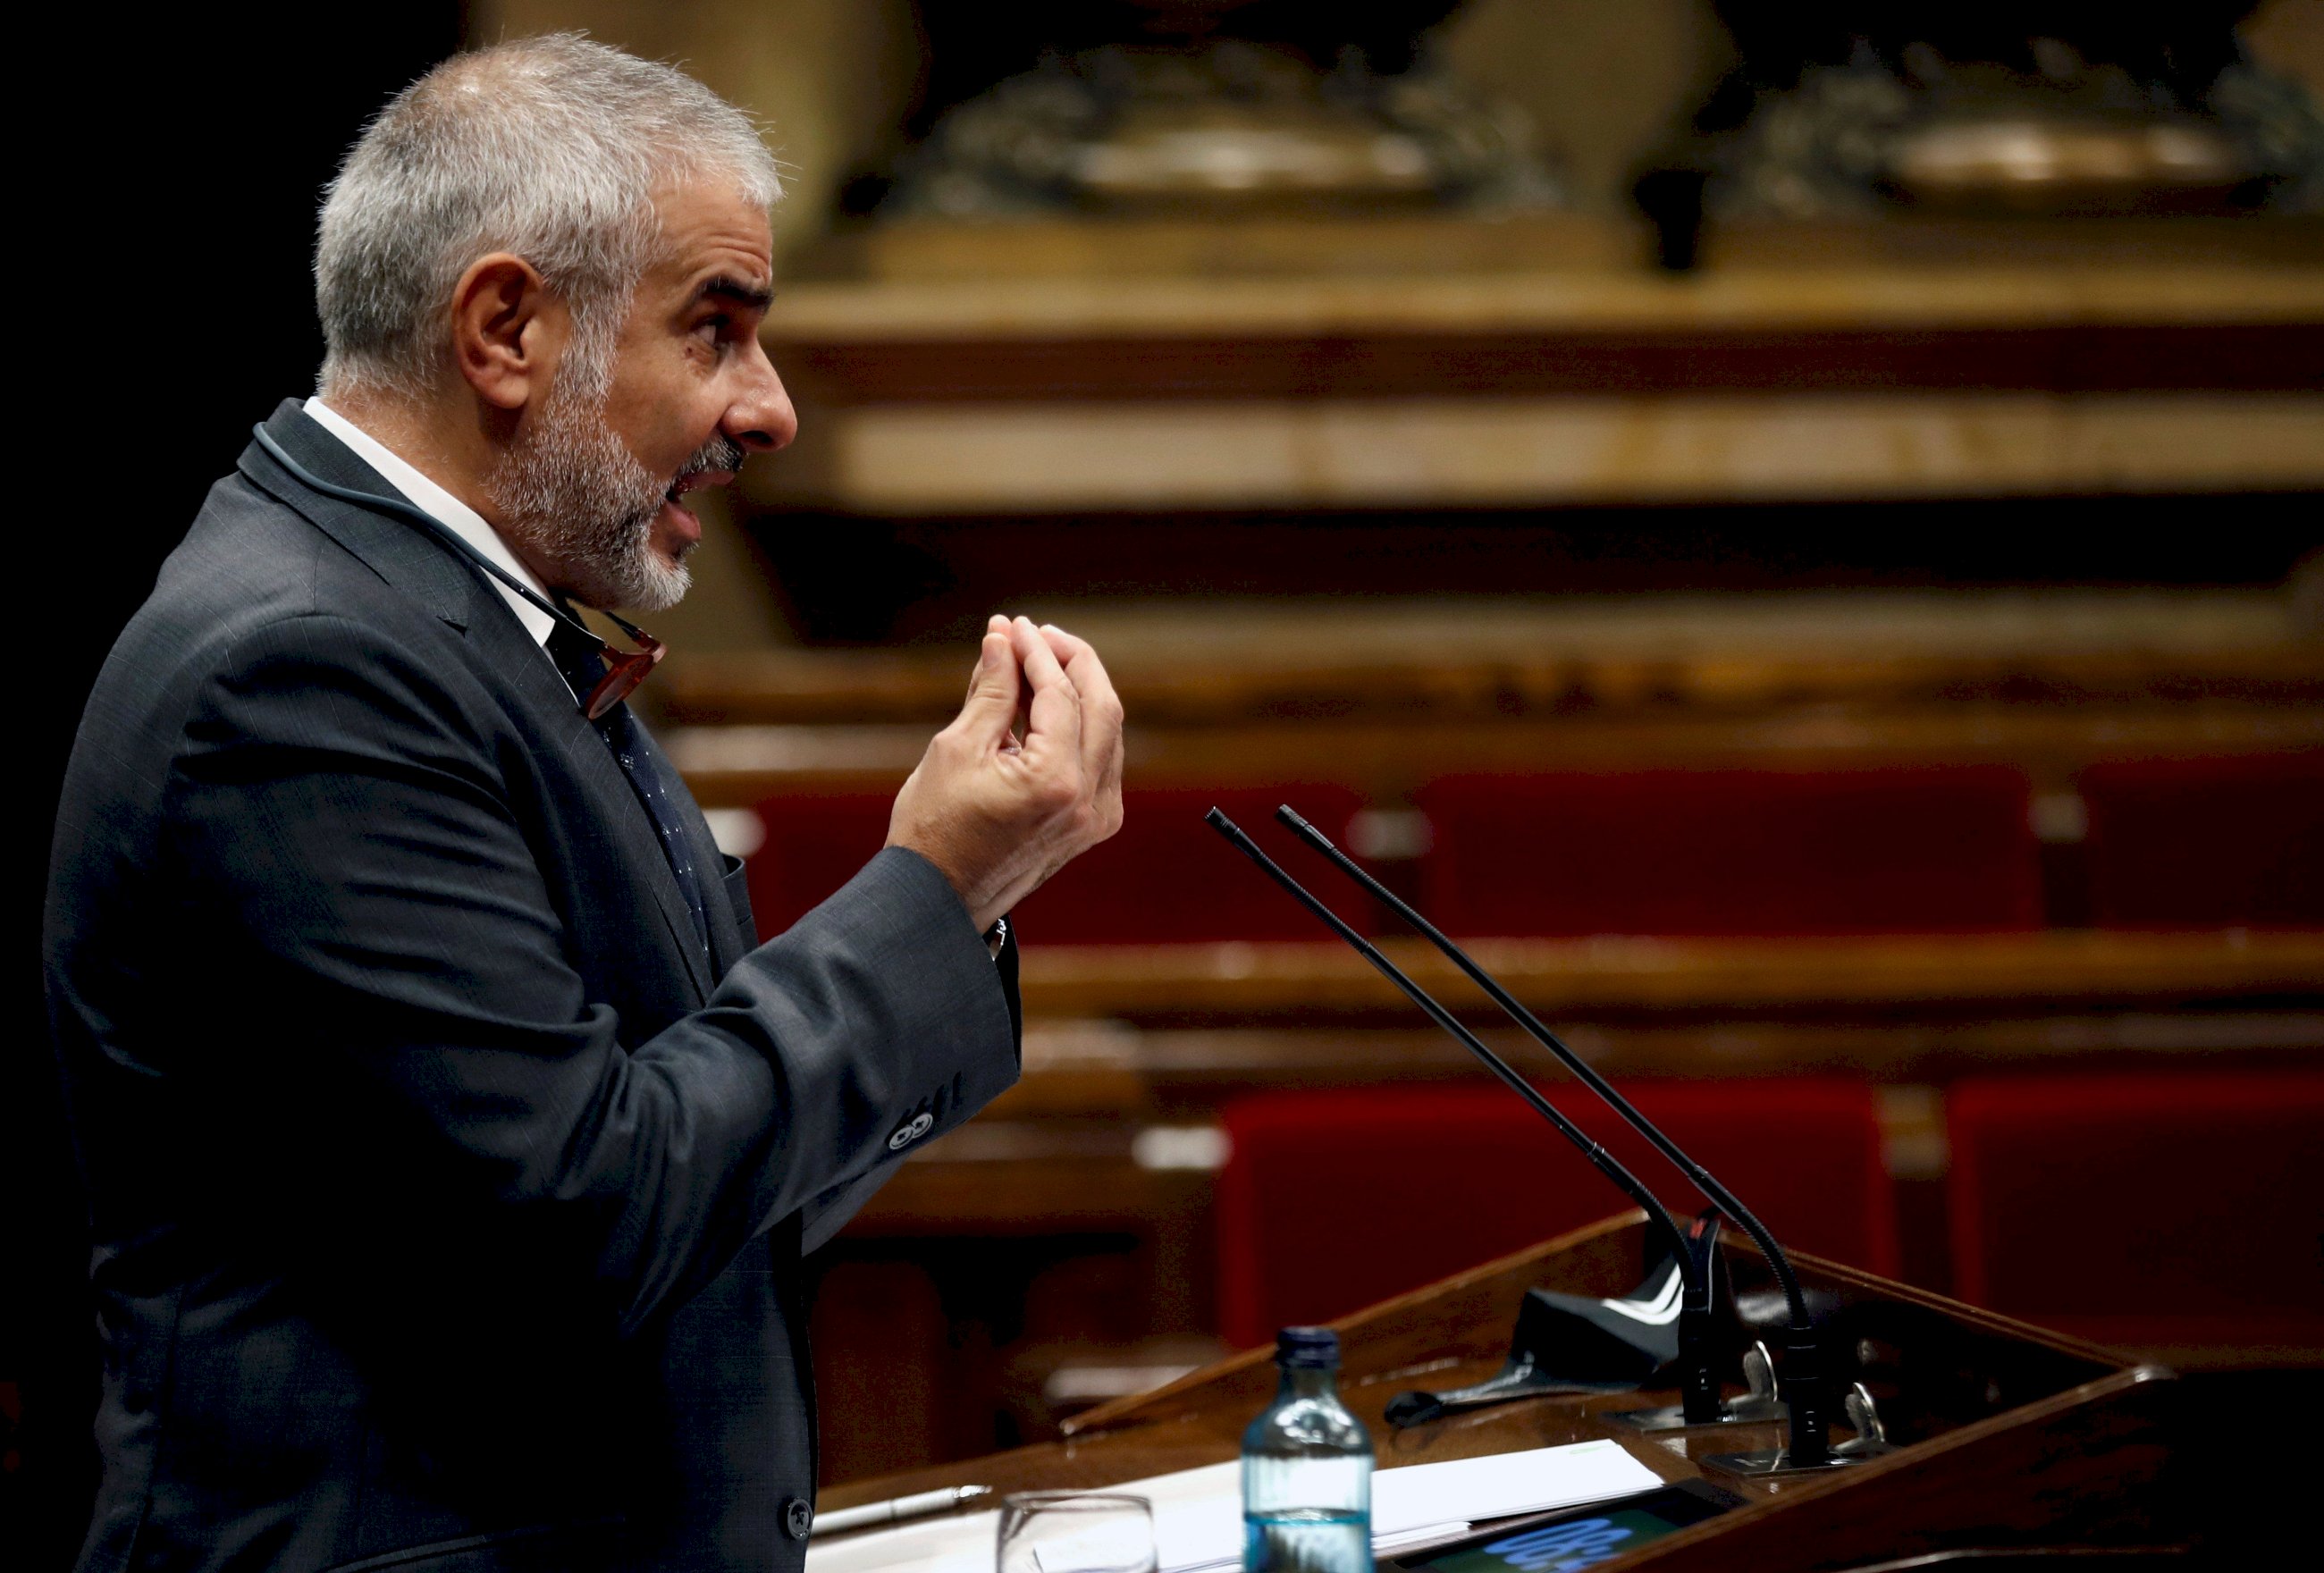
(1075, 1531)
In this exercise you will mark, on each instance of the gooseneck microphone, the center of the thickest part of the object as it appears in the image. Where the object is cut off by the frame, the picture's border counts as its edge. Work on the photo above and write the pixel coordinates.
(1603, 1161)
(1809, 1442)
(1692, 1251)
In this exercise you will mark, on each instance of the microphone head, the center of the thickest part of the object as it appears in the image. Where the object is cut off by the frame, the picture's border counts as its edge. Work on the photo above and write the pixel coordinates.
(1218, 821)
(1299, 826)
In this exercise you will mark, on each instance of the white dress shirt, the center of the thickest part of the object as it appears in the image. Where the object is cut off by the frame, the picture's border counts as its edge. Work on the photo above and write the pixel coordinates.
(446, 511)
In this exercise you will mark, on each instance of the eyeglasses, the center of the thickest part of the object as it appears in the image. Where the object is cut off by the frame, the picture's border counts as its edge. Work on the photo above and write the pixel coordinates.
(624, 670)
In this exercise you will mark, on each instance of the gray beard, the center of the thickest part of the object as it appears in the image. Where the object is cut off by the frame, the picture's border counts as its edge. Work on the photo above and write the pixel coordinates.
(571, 493)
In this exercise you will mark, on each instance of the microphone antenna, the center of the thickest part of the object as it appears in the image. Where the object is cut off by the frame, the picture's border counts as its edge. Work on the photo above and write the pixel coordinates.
(1809, 1442)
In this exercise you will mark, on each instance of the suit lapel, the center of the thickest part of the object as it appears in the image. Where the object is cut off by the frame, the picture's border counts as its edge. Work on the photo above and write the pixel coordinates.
(403, 554)
(553, 710)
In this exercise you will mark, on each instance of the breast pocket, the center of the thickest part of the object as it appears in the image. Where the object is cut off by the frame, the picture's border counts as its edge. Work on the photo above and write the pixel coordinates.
(738, 894)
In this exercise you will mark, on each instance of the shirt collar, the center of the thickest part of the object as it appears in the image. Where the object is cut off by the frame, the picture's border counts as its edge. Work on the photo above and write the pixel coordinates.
(446, 510)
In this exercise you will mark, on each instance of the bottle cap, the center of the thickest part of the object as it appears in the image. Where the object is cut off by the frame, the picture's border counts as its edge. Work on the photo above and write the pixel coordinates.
(1310, 1348)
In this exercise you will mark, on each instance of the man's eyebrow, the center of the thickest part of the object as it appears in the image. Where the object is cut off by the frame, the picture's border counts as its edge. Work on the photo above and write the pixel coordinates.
(735, 292)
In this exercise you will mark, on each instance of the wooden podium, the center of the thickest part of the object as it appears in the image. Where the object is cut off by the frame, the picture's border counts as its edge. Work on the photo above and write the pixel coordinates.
(2011, 1438)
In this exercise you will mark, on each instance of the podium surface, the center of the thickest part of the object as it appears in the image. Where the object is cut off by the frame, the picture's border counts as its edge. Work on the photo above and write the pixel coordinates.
(2008, 1437)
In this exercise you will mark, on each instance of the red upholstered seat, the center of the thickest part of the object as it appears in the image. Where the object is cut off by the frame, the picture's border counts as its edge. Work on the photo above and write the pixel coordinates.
(1332, 1201)
(1165, 877)
(1733, 853)
(2207, 842)
(2165, 1212)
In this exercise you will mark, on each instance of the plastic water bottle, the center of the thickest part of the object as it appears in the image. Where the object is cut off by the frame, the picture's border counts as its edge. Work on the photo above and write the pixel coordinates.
(1307, 1469)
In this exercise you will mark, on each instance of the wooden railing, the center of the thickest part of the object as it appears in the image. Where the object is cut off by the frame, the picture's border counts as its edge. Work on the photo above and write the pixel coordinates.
(2048, 970)
(1389, 698)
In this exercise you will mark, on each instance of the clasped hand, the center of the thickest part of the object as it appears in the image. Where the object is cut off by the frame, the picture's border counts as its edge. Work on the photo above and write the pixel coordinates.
(1026, 778)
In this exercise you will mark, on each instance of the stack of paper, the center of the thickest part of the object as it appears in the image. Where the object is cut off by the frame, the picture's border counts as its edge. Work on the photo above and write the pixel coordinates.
(1198, 1513)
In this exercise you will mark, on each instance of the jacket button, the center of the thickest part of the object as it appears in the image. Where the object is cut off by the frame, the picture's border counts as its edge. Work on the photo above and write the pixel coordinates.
(797, 1516)
(910, 1131)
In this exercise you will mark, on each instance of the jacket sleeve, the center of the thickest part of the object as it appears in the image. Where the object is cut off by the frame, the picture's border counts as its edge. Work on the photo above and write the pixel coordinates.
(829, 1213)
(356, 888)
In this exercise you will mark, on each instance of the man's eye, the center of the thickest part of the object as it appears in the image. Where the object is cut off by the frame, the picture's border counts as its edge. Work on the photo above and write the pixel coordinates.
(711, 329)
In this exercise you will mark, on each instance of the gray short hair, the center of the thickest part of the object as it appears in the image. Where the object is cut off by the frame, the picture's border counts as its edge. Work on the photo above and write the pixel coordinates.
(550, 148)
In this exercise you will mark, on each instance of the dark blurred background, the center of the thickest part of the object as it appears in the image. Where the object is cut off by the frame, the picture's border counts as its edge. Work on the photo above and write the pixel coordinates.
(179, 177)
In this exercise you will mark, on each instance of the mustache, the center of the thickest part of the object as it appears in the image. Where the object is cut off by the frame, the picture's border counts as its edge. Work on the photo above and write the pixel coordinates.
(721, 453)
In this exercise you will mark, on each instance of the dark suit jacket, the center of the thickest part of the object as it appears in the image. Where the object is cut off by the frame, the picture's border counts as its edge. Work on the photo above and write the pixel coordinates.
(449, 1206)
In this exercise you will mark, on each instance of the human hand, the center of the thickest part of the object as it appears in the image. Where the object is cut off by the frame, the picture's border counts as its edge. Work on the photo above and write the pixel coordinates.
(1026, 778)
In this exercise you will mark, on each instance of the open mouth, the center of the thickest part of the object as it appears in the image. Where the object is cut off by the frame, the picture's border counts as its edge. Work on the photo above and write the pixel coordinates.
(684, 483)
(713, 464)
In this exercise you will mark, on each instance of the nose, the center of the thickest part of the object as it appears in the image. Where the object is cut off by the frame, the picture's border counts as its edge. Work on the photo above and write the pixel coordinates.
(761, 418)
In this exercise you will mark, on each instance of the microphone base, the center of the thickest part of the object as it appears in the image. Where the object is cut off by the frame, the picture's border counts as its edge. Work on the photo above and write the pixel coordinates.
(1672, 1417)
(1570, 1344)
(1776, 1463)
(1759, 1404)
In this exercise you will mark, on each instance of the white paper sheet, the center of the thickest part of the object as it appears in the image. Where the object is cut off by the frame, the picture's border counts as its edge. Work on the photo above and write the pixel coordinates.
(1198, 1513)
(1472, 1489)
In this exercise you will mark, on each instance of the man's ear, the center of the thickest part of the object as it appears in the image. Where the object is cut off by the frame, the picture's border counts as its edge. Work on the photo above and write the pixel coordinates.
(508, 329)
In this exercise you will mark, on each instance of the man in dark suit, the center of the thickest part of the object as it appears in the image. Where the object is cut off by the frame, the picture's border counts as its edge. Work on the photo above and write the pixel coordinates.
(453, 1145)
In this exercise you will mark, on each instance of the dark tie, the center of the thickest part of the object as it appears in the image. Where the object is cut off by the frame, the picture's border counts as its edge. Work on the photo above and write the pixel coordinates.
(578, 656)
